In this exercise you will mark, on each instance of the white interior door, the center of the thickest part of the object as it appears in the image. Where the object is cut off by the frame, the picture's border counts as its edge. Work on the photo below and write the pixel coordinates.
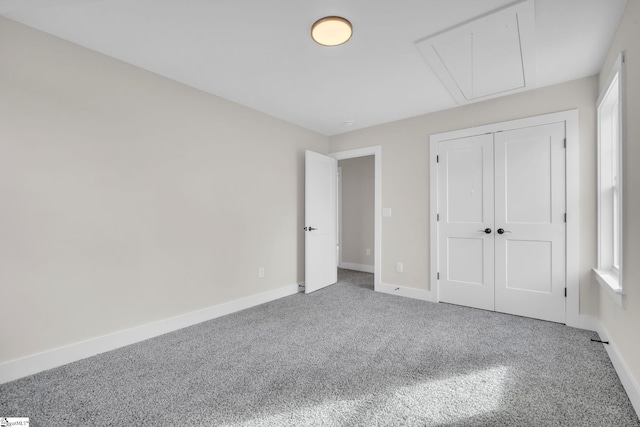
(512, 185)
(530, 209)
(321, 267)
(465, 226)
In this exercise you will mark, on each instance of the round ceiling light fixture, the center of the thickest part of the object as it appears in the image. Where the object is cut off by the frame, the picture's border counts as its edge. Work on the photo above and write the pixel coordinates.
(331, 31)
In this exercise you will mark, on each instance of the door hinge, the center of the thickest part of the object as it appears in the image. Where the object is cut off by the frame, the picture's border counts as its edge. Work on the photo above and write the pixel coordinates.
(565, 292)
(565, 217)
(437, 217)
(565, 143)
(438, 276)
(437, 159)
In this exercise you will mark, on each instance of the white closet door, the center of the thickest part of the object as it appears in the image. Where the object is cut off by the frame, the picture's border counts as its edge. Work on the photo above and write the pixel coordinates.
(530, 208)
(465, 207)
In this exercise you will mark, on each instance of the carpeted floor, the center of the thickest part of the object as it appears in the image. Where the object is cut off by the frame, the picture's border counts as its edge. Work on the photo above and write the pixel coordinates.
(341, 356)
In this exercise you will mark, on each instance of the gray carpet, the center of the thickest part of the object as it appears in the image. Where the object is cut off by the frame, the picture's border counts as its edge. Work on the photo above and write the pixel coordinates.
(342, 356)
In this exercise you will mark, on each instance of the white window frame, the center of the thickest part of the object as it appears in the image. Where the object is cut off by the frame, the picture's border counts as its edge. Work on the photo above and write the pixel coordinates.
(611, 138)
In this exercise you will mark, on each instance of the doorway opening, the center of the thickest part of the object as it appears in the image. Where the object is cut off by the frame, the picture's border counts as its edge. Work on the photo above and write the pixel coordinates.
(352, 252)
(355, 214)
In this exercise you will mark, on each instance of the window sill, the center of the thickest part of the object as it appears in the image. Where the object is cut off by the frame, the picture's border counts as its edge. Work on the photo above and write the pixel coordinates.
(610, 283)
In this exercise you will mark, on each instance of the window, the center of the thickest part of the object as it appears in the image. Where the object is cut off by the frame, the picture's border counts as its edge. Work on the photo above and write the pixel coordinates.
(610, 145)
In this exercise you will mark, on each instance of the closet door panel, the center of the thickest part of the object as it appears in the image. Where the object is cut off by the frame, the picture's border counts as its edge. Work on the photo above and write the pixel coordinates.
(529, 210)
(465, 207)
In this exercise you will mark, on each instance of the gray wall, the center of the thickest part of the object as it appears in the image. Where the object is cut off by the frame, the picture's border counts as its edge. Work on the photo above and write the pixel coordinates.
(129, 198)
(622, 323)
(405, 173)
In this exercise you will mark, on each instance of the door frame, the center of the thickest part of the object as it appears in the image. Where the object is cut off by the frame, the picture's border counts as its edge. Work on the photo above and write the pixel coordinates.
(570, 118)
(375, 151)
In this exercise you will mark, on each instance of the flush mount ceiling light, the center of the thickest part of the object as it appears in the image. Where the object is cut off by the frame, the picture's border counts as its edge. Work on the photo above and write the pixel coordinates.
(331, 31)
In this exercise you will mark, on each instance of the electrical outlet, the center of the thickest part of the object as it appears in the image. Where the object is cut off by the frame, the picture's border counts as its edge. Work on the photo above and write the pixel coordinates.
(399, 267)
(368, 251)
(261, 272)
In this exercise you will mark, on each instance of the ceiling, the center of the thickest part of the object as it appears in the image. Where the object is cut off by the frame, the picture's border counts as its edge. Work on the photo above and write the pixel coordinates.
(259, 53)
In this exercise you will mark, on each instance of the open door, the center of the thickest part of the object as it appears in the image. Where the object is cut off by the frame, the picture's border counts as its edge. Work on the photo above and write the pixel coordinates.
(320, 215)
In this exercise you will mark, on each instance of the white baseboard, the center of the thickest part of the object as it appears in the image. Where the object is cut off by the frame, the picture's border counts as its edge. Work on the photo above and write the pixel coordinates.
(357, 267)
(629, 383)
(402, 291)
(582, 321)
(18, 368)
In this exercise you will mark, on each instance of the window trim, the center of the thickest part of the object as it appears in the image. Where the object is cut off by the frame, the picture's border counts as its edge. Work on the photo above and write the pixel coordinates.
(607, 274)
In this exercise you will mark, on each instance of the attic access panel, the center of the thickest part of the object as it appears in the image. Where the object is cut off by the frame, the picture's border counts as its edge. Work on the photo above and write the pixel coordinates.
(489, 56)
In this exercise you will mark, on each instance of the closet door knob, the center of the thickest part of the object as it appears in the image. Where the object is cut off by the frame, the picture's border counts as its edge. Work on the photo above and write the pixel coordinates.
(486, 230)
